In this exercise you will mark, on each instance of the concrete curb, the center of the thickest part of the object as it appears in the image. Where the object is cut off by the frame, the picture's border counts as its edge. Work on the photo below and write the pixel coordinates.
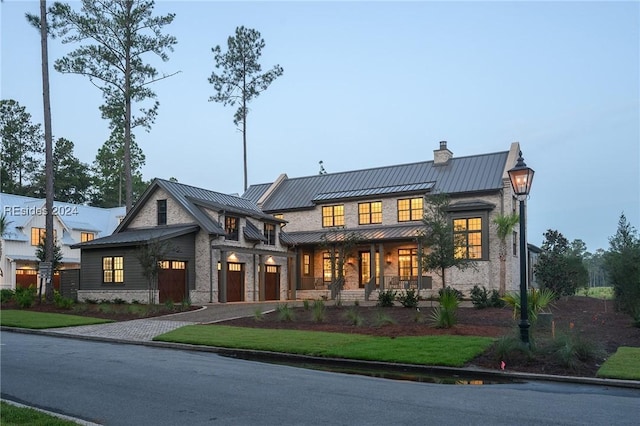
(355, 364)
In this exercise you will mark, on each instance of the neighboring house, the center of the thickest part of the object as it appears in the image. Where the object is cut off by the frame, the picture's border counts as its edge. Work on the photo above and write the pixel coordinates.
(277, 241)
(383, 207)
(72, 224)
(217, 248)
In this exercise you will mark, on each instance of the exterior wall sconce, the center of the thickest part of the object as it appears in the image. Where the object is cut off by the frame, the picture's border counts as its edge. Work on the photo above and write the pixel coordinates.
(350, 260)
(232, 257)
(388, 258)
(270, 260)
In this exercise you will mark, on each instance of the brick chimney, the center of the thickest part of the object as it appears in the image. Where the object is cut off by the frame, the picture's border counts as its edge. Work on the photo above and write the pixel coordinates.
(442, 155)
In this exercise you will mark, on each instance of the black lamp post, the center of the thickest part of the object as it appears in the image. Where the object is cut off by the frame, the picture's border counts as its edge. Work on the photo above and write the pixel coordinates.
(521, 177)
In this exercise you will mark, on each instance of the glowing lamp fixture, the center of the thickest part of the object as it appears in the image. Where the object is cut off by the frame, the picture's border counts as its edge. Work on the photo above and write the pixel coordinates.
(521, 177)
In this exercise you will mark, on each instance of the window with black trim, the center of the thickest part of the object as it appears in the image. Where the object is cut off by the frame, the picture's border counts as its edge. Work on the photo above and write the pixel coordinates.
(38, 234)
(162, 211)
(370, 212)
(326, 266)
(231, 227)
(270, 233)
(332, 216)
(86, 236)
(410, 209)
(467, 236)
(407, 263)
(113, 270)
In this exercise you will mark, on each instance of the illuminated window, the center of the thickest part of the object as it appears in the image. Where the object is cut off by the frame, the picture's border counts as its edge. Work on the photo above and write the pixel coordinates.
(410, 209)
(86, 236)
(175, 264)
(270, 233)
(407, 263)
(332, 216)
(231, 227)
(113, 269)
(370, 213)
(306, 264)
(467, 236)
(38, 234)
(326, 266)
(163, 264)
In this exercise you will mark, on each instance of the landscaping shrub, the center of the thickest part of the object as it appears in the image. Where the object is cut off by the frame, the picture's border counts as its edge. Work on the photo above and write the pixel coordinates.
(305, 304)
(538, 301)
(448, 289)
(482, 298)
(408, 299)
(382, 319)
(571, 349)
(318, 311)
(61, 301)
(258, 315)
(386, 298)
(6, 295)
(25, 297)
(444, 316)
(285, 313)
(354, 316)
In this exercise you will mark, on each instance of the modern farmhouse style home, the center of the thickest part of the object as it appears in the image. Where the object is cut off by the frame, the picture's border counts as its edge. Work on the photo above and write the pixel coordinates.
(285, 239)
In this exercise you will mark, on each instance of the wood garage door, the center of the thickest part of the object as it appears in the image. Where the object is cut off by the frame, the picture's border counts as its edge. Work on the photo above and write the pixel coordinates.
(26, 278)
(235, 282)
(172, 281)
(272, 283)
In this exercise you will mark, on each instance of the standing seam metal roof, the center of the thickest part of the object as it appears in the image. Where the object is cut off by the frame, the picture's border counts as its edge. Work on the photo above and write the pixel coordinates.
(459, 175)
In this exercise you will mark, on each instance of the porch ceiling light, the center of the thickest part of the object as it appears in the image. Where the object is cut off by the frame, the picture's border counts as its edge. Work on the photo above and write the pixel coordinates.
(521, 177)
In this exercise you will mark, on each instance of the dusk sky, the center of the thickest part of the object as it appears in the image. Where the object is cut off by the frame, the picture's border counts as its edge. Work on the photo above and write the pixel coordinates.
(371, 84)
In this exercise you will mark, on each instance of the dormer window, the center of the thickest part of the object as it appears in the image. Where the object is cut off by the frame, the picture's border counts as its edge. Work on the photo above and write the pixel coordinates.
(86, 236)
(231, 227)
(270, 233)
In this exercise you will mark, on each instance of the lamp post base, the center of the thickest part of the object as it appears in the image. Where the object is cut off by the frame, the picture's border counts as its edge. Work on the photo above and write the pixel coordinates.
(524, 332)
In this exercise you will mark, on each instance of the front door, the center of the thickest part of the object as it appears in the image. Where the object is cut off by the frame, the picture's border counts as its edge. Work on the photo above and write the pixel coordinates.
(365, 267)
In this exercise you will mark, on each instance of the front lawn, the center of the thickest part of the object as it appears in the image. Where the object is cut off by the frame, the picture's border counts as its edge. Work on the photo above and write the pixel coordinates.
(443, 350)
(624, 364)
(39, 320)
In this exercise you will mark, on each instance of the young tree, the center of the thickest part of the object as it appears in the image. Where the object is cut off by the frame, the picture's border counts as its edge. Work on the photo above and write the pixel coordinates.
(115, 37)
(21, 149)
(72, 177)
(340, 245)
(149, 257)
(622, 263)
(241, 78)
(559, 268)
(108, 173)
(504, 227)
(438, 239)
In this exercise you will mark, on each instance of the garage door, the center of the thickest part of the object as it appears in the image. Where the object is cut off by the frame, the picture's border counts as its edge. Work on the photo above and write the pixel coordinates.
(172, 281)
(235, 282)
(272, 282)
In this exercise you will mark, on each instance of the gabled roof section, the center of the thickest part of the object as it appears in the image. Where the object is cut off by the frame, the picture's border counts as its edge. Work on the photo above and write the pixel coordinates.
(478, 173)
(139, 236)
(194, 200)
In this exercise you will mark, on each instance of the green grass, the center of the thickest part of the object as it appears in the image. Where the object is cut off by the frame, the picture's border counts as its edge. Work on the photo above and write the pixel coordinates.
(624, 364)
(596, 292)
(12, 415)
(38, 320)
(452, 351)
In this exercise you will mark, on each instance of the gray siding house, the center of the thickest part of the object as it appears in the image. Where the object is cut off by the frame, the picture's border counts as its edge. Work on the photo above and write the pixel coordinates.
(216, 248)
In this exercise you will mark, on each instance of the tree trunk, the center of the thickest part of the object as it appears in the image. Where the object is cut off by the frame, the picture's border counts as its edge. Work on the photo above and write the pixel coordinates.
(128, 181)
(48, 137)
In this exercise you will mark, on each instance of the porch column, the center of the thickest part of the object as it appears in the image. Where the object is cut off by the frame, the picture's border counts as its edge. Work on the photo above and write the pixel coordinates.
(294, 273)
(261, 278)
(381, 266)
(419, 266)
(372, 264)
(222, 282)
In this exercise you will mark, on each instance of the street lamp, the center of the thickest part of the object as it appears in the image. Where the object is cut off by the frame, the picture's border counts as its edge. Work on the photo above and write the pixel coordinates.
(521, 177)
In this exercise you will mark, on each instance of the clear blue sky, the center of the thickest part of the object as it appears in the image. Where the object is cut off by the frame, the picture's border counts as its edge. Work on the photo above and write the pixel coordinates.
(369, 84)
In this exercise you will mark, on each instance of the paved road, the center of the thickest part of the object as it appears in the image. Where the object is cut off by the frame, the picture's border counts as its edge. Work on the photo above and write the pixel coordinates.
(116, 384)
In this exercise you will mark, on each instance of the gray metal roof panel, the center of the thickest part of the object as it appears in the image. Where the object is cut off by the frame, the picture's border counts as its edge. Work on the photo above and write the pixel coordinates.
(252, 233)
(378, 233)
(458, 175)
(138, 236)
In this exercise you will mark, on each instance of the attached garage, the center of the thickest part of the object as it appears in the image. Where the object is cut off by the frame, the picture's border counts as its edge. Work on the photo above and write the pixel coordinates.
(235, 282)
(172, 281)
(272, 282)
